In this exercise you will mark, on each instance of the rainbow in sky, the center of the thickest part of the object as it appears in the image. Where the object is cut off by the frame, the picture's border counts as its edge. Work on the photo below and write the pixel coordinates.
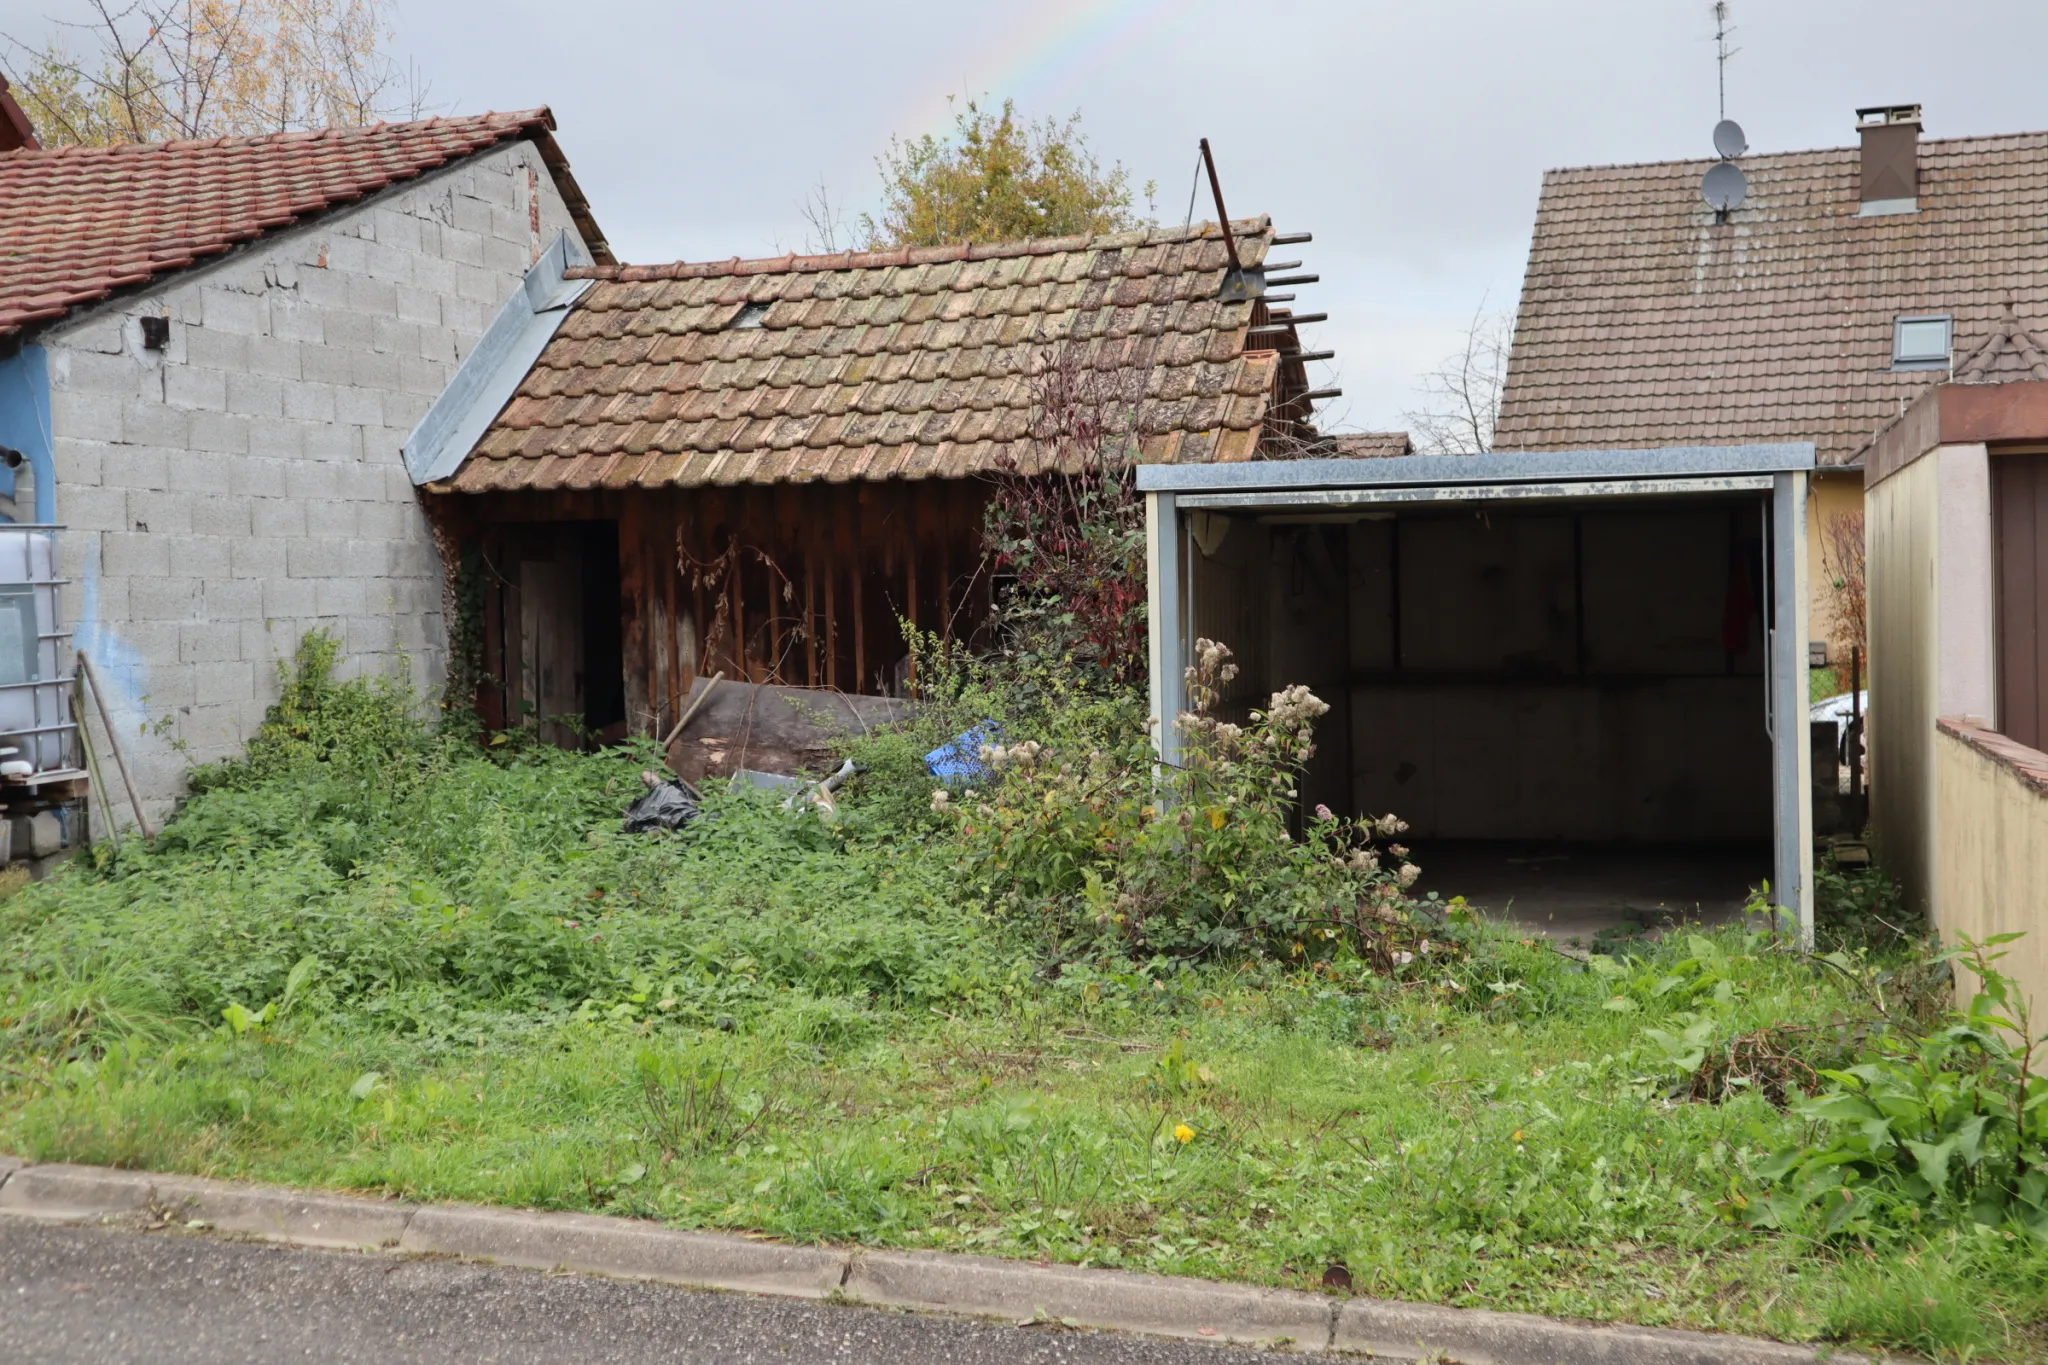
(1044, 58)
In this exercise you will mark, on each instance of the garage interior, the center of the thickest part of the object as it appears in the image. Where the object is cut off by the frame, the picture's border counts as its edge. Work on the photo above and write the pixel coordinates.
(1565, 691)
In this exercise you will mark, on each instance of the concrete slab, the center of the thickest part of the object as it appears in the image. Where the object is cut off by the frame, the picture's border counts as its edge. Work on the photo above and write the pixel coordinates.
(1568, 891)
(1477, 1336)
(322, 1220)
(75, 1193)
(625, 1248)
(9, 1165)
(1153, 1304)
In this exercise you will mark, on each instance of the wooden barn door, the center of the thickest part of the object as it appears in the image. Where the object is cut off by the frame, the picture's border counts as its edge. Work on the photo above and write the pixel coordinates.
(2019, 512)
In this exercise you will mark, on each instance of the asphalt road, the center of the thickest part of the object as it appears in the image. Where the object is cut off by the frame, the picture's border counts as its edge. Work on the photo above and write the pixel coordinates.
(78, 1294)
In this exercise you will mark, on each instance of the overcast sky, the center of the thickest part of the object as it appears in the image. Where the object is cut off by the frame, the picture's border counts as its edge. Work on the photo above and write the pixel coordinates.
(1411, 138)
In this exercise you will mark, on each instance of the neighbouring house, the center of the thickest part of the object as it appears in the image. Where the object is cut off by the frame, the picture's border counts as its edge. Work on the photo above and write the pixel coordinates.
(759, 468)
(1958, 552)
(1816, 310)
(211, 353)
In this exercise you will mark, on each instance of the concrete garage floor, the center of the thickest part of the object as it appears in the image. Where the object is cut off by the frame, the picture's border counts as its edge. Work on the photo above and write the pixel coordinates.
(1575, 891)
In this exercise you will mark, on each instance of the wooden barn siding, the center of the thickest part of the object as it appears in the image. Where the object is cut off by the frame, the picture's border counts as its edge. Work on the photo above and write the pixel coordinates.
(848, 560)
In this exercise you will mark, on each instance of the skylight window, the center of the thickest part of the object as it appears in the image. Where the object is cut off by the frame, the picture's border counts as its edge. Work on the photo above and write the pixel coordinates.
(1922, 343)
(751, 315)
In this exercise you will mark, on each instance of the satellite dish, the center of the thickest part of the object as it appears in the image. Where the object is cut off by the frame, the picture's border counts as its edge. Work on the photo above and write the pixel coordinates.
(1724, 187)
(1728, 139)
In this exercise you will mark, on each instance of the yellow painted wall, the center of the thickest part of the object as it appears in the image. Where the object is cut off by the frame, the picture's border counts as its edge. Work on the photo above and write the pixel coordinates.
(1900, 521)
(1830, 493)
(1991, 871)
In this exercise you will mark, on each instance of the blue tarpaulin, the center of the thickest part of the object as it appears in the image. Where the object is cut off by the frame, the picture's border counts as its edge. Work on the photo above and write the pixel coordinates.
(960, 760)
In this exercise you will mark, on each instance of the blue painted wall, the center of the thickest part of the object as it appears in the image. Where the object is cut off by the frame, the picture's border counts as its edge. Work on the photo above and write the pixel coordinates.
(25, 425)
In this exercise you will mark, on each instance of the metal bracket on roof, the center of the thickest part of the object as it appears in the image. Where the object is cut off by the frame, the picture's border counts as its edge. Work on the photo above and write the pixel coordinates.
(490, 374)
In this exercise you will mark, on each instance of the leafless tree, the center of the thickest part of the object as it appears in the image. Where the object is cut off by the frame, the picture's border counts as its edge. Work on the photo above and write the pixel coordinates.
(1461, 396)
(153, 70)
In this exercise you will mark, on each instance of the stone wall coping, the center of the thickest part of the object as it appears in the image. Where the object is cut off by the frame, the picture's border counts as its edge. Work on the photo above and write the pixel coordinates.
(2029, 765)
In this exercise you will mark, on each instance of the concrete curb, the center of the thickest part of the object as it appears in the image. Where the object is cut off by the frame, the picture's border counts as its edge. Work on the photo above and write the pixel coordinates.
(976, 1286)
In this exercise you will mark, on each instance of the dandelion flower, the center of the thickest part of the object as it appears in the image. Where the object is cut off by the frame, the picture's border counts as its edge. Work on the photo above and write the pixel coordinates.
(1183, 1134)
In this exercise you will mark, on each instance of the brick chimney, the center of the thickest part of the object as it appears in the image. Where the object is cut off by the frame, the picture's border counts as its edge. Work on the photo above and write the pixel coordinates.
(1891, 159)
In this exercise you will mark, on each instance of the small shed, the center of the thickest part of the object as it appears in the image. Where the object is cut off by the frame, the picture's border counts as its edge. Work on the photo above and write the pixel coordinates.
(1600, 651)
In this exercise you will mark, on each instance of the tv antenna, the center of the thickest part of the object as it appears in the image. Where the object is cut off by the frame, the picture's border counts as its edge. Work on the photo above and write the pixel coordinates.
(1724, 186)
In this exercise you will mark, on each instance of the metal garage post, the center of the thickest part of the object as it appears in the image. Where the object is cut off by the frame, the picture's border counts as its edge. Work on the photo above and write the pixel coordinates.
(1165, 621)
(1791, 754)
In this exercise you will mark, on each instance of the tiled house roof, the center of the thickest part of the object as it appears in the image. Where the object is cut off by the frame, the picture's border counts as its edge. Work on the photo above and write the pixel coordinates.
(1643, 322)
(78, 223)
(906, 364)
(1372, 445)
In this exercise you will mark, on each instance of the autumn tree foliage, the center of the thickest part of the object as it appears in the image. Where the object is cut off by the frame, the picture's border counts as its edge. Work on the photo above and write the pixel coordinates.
(995, 177)
(158, 70)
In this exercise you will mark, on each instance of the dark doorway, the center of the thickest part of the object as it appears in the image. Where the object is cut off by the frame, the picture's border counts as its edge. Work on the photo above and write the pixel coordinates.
(553, 644)
(2019, 511)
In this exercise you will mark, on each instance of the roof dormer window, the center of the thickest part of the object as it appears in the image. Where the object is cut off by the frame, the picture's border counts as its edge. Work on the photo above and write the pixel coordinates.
(1923, 342)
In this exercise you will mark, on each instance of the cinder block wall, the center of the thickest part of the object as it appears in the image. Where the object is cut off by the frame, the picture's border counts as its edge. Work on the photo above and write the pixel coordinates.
(244, 485)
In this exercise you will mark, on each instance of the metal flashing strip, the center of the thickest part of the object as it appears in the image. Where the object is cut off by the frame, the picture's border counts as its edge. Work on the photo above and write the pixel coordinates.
(1474, 492)
(491, 374)
(1669, 462)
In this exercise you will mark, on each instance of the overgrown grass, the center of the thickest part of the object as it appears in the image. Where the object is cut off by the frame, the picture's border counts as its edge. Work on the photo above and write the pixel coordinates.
(763, 1023)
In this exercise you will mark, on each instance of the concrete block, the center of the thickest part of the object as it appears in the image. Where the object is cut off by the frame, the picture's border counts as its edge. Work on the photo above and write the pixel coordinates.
(209, 348)
(371, 632)
(619, 1247)
(434, 276)
(85, 508)
(295, 319)
(372, 369)
(207, 642)
(159, 512)
(289, 599)
(276, 440)
(341, 597)
(200, 557)
(1094, 1298)
(349, 332)
(316, 480)
(134, 554)
(512, 224)
(392, 264)
(472, 214)
(333, 441)
(508, 258)
(438, 344)
(379, 298)
(279, 517)
(255, 395)
(309, 402)
(164, 598)
(382, 521)
(79, 463)
(394, 336)
(397, 228)
(223, 682)
(191, 386)
(90, 372)
(256, 558)
(231, 310)
(1476, 1336)
(348, 257)
(263, 644)
(226, 514)
(84, 416)
(360, 406)
(151, 422)
(326, 289)
(316, 558)
(419, 305)
(284, 361)
(424, 377)
(233, 601)
(65, 1193)
(218, 433)
(326, 365)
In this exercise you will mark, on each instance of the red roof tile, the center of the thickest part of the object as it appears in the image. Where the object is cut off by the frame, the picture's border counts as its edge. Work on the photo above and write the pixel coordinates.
(1644, 322)
(906, 364)
(76, 223)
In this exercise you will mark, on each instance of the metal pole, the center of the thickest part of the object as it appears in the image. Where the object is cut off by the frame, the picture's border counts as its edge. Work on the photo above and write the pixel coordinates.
(99, 700)
(1222, 214)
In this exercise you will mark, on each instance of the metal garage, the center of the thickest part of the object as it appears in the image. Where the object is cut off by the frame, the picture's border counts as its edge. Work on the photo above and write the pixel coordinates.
(1576, 658)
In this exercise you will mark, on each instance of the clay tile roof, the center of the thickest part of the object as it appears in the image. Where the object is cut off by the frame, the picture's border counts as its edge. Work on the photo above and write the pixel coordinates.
(1644, 323)
(77, 223)
(904, 364)
(1372, 445)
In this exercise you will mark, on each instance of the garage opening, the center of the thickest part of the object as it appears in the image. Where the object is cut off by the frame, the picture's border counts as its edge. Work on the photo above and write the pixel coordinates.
(1567, 692)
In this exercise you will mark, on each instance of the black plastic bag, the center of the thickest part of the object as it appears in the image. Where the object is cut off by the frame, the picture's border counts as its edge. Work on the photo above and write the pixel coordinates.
(667, 805)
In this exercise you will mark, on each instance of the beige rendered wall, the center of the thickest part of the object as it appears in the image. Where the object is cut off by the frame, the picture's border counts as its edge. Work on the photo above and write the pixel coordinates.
(1991, 876)
(1900, 530)
(1832, 493)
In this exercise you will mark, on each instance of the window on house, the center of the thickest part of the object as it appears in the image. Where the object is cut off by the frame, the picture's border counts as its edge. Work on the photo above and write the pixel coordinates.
(1922, 343)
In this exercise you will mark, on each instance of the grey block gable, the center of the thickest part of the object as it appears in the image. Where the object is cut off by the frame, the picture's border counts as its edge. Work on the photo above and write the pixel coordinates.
(245, 484)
